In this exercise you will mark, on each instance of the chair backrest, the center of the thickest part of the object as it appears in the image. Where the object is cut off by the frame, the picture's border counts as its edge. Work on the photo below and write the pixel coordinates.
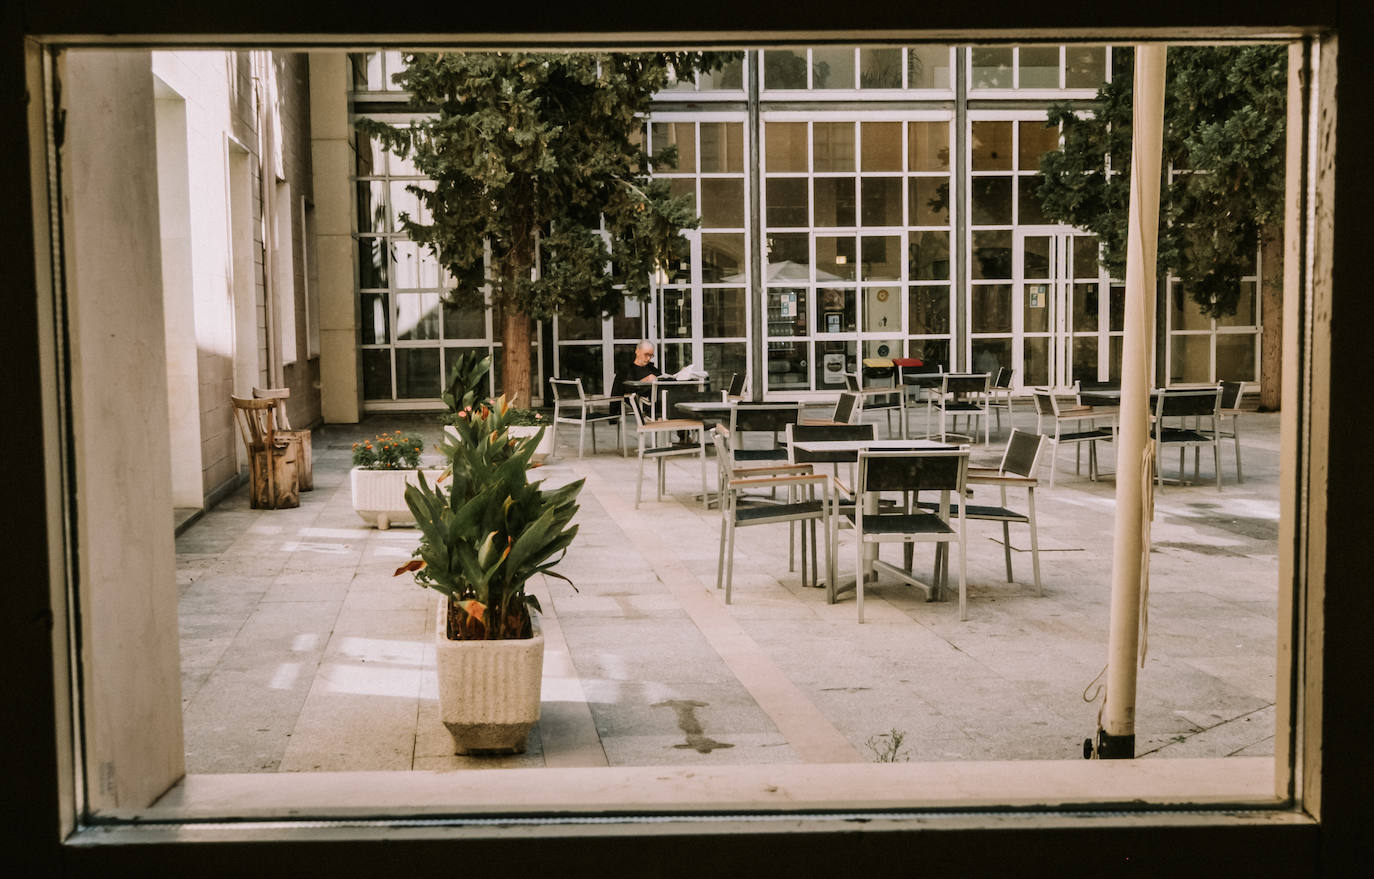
(723, 456)
(736, 386)
(565, 389)
(1004, 377)
(763, 417)
(844, 408)
(824, 433)
(282, 394)
(1045, 405)
(256, 420)
(1231, 394)
(923, 470)
(1022, 455)
(635, 403)
(1184, 403)
(963, 384)
(851, 382)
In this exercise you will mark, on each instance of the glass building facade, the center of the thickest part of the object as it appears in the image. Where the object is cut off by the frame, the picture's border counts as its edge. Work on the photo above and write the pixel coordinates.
(854, 201)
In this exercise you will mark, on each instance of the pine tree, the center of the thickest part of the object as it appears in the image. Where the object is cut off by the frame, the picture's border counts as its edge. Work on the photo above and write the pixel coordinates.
(541, 185)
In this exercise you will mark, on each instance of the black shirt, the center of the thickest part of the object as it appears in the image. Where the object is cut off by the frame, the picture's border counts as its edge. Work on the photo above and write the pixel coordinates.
(636, 373)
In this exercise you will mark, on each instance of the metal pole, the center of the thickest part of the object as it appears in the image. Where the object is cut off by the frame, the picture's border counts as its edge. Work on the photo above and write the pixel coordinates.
(1116, 738)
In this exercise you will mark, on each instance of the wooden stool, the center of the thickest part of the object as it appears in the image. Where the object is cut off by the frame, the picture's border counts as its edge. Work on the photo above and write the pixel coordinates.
(274, 464)
(301, 437)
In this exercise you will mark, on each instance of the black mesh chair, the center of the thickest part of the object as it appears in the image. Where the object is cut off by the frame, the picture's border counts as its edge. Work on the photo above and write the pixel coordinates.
(888, 403)
(966, 395)
(572, 405)
(734, 390)
(1074, 425)
(845, 407)
(843, 494)
(657, 441)
(1001, 395)
(919, 379)
(770, 419)
(910, 473)
(1187, 409)
(1020, 462)
(808, 501)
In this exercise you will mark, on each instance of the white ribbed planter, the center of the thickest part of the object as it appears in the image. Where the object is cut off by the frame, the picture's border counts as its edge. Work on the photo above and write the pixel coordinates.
(541, 452)
(379, 496)
(488, 690)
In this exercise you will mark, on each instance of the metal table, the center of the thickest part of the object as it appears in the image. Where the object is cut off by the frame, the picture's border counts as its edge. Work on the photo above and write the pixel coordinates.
(660, 388)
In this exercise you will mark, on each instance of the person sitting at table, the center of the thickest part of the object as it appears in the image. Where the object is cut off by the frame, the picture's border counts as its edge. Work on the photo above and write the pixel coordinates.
(643, 368)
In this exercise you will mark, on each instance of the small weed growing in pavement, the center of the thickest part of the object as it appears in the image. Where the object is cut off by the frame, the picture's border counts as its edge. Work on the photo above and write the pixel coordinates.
(887, 747)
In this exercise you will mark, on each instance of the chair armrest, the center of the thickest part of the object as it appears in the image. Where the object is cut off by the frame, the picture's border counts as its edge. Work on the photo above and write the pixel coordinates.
(995, 479)
(769, 470)
(780, 480)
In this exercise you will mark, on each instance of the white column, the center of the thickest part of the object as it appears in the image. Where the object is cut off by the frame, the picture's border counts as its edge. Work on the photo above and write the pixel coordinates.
(1128, 553)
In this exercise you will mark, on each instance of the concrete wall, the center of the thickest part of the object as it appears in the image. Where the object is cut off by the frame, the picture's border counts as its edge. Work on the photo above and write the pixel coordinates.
(333, 149)
(126, 577)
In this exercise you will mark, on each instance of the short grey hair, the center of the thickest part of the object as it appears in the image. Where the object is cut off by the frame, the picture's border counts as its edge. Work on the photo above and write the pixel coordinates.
(644, 345)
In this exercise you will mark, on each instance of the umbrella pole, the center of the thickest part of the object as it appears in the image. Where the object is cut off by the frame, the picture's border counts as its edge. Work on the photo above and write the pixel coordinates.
(1116, 735)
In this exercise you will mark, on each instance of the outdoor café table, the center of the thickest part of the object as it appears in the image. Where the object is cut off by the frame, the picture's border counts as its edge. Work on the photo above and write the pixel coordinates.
(707, 410)
(660, 388)
(848, 450)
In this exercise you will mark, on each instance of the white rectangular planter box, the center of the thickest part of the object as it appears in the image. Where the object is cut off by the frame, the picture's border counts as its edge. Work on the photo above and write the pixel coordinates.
(541, 452)
(488, 690)
(379, 496)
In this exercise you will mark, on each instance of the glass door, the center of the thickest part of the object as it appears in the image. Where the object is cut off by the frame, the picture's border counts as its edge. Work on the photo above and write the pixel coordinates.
(1058, 319)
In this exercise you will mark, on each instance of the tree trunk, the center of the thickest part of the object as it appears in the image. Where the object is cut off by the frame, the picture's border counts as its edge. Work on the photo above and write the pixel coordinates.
(1271, 313)
(515, 355)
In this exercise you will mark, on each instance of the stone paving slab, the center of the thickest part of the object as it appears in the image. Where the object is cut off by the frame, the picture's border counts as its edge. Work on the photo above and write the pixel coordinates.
(301, 651)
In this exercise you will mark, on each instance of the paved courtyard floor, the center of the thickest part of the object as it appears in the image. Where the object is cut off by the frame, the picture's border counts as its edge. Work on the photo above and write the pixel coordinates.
(301, 651)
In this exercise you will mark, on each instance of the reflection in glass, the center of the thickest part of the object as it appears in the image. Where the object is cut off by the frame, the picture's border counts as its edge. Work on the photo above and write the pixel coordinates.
(722, 312)
(730, 77)
(417, 316)
(1029, 210)
(991, 198)
(991, 308)
(1037, 256)
(991, 255)
(882, 311)
(724, 359)
(1036, 138)
(1084, 256)
(784, 69)
(722, 257)
(1235, 357)
(414, 265)
(1116, 308)
(832, 68)
(722, 147)
(684, 186)
(1185, 314)
(1245, 309)
(882, 257)
(789, 257)
(1190, 358)
(682, 135)
(990, 355)
(1085, 308)
(835, 201)
(835, 259)
(372, 262)
(1036, 308)
(785, 146)
(991, 67)
(991, 146)
(880, 68)
(372, 206)
(1114, 359)
(722, 202)
(404, 202)
(677, 313)
(833, 146)
(1039, 67)
(927, 67)
(927, 146)
(786, 203)
(789, 365)
(1035, 362)
(627, 321)
(584, 362)
(465, 321)
(674, 356)
(376, 322)
(576, 327)
(376, 373)
(928, 256)
(929, 201)
(1086, 66)
(1083, 359)
(417, 373)
(927, 310)
(881, 146)
(882, 201)
(835, 310)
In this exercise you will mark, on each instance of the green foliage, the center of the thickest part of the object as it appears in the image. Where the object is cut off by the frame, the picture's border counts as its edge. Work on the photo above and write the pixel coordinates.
(389, 451)
(525, 418)
(1224, 116)
(527, 153)
(887, 747)
(467, 383)
(492, 529)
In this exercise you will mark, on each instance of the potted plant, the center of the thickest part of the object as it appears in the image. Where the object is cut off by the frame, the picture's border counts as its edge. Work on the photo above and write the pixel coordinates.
(382, 468)
(466, 390)
(481, 539)
(531, 422)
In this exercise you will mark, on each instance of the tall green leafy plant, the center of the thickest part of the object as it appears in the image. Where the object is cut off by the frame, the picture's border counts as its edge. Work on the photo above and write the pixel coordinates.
(467, 384)
(490, 530)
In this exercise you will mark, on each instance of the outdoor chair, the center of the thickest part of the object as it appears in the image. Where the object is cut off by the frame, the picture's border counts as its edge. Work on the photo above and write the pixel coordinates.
(735, 389)
(1232, 393)
(845, 407)
(918, 381)
(306, 470)
(739, 510)
(1001, 396)
(910, 473)
(1187, 408)
(1020, 461)
(963, 395)
(888, 403)
(571, 405)
(1074, 426)
(657, 441)
(273, 465)
(770, 419)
